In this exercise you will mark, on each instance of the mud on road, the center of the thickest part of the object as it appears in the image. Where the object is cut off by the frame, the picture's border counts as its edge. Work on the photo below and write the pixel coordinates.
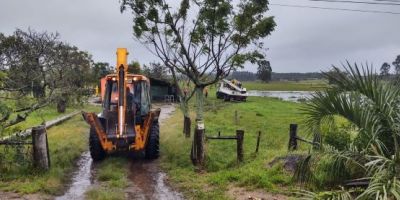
(147, 181)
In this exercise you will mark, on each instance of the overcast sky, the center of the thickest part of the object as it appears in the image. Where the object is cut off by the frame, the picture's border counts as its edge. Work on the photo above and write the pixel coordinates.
(305, 40)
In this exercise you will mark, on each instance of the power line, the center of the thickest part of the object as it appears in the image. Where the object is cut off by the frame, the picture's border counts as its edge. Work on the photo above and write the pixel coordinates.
(338, 9)
(361, 2)
(387, 0)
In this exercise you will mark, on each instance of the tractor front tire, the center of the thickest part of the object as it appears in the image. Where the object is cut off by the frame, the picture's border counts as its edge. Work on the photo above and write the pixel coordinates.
(153, 145)
(96, 150)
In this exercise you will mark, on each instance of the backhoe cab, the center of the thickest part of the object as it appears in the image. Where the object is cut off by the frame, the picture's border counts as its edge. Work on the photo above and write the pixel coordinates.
(127, 122)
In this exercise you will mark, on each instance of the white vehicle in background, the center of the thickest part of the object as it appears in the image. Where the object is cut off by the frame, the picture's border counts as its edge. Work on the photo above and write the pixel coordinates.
(231, 91)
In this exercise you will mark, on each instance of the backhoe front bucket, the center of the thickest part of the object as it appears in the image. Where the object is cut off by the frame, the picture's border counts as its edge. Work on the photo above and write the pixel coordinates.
(94, 122)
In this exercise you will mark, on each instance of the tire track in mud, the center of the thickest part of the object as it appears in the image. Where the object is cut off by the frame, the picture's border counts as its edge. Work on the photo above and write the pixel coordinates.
(146, 179)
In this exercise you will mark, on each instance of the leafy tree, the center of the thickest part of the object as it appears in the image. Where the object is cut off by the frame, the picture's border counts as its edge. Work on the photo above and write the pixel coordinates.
(37, 69)
(243, 76)
(100, 69)
(155, 70)
(396, 65)
(70, 75)
(385, 69)
(207, 45)
(264, 71)
(134, 67)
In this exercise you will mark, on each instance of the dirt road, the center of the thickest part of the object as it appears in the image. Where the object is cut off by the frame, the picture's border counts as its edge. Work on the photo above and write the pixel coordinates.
(146, 180)
(150, 182)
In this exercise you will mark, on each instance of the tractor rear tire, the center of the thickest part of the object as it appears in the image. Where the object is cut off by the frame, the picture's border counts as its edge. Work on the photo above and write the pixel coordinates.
(96, 150)
(153, 145)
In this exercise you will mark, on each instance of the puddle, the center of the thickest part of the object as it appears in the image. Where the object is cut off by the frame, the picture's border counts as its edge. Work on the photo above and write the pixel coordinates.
(81, 180)
(294, 96)
(147, 180)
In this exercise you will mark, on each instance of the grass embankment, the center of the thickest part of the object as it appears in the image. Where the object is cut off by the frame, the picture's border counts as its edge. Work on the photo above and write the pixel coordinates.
(66, 143)
(270, 116)
(310, 85)
(37, 117)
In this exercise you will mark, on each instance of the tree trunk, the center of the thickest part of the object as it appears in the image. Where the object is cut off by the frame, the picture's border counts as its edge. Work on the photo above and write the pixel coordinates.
(187, 122)
(61, 105)
(199, 103)
(198, 153)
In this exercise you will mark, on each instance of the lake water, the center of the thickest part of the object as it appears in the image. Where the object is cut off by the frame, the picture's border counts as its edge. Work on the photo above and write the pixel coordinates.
(294, 96)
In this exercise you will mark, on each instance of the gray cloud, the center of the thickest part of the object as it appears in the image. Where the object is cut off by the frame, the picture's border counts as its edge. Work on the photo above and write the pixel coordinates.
(305, 40)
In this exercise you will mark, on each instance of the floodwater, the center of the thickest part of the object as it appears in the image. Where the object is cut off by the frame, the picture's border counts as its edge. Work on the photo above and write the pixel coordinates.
(294, 96)
(146, 180)
(81, 179)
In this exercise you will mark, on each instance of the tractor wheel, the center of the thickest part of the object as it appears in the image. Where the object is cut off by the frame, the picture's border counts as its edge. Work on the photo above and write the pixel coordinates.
(153, 145)
(96, 150)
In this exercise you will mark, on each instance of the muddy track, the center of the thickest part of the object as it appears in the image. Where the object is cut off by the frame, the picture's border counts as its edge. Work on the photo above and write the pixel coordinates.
(81, 179)
(146, 180)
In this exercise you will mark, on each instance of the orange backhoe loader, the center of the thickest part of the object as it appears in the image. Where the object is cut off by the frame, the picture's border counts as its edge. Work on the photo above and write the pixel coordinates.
(127, 122)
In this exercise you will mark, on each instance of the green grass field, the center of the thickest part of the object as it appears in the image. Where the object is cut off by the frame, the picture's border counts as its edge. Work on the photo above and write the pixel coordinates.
(310, 85)
(66, 143)
(270, 116)
(38, 116)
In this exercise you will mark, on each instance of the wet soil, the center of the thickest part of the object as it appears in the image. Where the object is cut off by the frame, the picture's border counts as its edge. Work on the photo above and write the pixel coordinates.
(148, 182)
(81, 179)
(239, 193)
(146, 179)
(16, 196)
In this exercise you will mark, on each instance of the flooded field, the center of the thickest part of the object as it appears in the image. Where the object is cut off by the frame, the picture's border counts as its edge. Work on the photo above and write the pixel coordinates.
(294, 96)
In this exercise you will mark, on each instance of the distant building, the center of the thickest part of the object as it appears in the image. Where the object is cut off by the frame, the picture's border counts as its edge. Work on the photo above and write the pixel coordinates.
(162, 88)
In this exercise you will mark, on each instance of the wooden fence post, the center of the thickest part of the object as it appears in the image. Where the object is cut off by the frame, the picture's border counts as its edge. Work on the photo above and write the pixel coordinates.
(293, 137)
(197, 152)
(239, 140)
(41, 156)
(258, 141)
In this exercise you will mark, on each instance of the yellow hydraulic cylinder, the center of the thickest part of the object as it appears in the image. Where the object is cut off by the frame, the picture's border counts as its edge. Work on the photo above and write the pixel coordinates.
(122, 69)
(122, 59)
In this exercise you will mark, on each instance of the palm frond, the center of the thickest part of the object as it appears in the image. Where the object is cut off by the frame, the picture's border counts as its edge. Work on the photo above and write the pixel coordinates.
(331, 195)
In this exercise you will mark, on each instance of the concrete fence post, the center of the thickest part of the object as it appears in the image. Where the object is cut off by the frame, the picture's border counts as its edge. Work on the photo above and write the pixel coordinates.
(41, 156)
